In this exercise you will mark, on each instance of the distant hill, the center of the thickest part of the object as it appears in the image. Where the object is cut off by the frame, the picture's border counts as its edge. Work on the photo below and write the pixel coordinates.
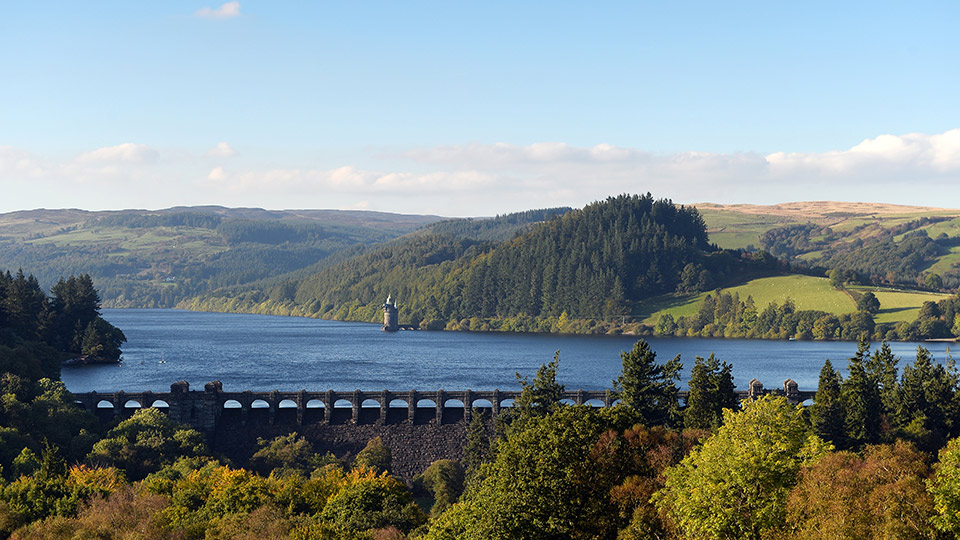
(883, 244)
(156, 258)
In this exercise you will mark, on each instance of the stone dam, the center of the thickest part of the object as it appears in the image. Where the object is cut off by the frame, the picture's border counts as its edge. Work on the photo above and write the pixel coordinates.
(418, 427)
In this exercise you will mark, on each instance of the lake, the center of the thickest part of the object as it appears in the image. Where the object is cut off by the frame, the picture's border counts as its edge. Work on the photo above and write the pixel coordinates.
(262, 352)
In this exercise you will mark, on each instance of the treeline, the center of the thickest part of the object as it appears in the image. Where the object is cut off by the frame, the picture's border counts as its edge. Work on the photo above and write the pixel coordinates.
(877, 403)
(499, 228)
(147, 221)
(727, 315)
(593, 264)
(272, 232)
(935, 320)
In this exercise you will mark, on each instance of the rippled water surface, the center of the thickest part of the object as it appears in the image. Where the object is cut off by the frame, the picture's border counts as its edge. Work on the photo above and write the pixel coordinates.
(262, 352)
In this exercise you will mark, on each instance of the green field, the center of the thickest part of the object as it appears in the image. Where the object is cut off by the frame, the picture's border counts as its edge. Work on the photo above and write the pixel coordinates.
(735, 230)
(947, 263)
(123, 241)
(806, 292)
(900, 305)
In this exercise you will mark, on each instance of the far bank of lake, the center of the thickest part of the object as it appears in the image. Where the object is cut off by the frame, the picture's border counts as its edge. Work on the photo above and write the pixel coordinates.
(264, 352)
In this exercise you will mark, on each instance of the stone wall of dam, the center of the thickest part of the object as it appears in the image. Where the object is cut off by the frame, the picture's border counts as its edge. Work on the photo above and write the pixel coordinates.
(418, 427)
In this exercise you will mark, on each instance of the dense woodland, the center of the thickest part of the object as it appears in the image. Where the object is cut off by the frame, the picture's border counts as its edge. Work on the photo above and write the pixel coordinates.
(51, 329)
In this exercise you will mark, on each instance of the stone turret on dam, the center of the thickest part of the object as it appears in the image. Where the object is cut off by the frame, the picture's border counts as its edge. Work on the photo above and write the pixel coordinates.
(391, 316)
(418, 426)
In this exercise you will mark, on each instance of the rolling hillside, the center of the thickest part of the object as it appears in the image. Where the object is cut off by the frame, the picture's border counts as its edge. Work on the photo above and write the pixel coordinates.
(740, 226)
(142, 258)
(884, 244)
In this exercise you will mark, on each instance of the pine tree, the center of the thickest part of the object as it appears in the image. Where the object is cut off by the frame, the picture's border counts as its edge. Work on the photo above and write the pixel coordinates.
(861, 401)
(538, 398)
(711, 391)
(928, 408)
(650, 389)
(827, 414)
(882, 369)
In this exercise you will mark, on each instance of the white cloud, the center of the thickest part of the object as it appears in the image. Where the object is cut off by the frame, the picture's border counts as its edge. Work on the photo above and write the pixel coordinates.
(217, 175)
(227, 10)
(221, 150)
(126, 152)
(885, 155)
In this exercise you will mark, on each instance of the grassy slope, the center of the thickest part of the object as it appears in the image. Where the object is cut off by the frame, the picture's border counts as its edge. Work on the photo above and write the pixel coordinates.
(900, 305)
(730, 229)
(739, 226)
(121, 241)
(806, 292)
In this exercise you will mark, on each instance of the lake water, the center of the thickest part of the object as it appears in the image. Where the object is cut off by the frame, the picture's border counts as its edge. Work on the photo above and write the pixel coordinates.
(261, 352)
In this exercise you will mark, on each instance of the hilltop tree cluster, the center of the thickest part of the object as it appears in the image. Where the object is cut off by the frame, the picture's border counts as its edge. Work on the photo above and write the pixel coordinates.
(588, 263)
(935, 320)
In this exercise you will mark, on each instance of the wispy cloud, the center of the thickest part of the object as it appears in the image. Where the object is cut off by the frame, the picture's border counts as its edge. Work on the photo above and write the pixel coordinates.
(125, 153)
(227, 10)
(484, 179)
(217, 175)
(221, 150)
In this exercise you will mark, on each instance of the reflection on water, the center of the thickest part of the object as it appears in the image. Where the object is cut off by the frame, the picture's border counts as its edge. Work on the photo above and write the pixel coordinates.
(261, 352)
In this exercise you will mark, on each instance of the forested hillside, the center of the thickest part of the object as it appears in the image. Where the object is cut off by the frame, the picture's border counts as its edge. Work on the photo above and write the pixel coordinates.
(596, 263)
(157, 258)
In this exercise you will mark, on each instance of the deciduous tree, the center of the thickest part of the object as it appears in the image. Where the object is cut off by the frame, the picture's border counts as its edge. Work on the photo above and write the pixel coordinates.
(735, 485)
(879, 495)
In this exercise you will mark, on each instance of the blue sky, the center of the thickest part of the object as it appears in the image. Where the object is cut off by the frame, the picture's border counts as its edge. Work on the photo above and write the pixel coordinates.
(463, 108)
